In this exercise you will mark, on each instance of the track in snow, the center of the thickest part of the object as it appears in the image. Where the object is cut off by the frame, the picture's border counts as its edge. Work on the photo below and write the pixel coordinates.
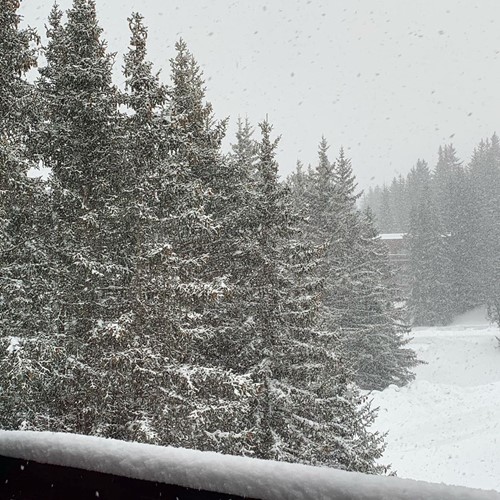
(445, 426)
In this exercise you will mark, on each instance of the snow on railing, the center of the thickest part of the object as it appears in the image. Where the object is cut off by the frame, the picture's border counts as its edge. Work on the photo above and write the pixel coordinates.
(92, 467)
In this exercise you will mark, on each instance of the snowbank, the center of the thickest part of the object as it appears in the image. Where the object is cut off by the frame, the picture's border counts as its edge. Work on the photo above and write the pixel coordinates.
(445, 426)
(214, 472)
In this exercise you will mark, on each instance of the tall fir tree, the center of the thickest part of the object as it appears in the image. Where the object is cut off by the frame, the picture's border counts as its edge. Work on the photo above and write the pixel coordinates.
(23, 218)
(401, 210)
(383, 328)
(444, 186)
(198, 187)
(308, 411)
(373, 329)
(430, 300)
(358, 297)
(484, 172)
(387, 222)
(17, 56)
(456, 213)
(77, 140)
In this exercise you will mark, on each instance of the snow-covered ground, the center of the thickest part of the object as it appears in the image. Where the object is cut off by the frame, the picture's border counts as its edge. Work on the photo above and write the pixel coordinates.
(445, 426)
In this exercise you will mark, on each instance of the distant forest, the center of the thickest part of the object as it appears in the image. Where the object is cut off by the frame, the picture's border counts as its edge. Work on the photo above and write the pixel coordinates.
(451, 217)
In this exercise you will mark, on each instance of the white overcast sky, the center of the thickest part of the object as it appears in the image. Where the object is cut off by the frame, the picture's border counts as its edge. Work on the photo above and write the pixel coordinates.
(390, 80)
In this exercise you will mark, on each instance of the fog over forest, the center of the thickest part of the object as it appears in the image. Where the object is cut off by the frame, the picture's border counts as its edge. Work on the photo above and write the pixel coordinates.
(390, 81)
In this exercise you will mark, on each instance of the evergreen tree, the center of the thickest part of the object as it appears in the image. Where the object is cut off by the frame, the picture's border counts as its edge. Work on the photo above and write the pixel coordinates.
(23, 261)
(245, 149)
(382, 330)
(485, 178)
(358, 301)
(77, 140)
(198, 200)
(462, 244)
(430, 300)
(449, 204)
(444, 186)
(387, 221)
(298, 183)
(418, 182)
(400, 206)
(373, 331)
(308, 412)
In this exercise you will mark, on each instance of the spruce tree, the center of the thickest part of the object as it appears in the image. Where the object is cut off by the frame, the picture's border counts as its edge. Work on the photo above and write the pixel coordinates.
(387, 221)
(383, 330)
(484, 172)
(373, 330)
(128, 365)
(358, 300)
(196, 202)
(308, 412)
(400, 206)
(77, 140)
(444, 186)
(418, 182)
(23, 218)
(430, 300)
(458, 217)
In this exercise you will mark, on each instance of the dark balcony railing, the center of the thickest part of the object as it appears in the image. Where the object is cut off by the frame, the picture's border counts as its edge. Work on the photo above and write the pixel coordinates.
(28, 480)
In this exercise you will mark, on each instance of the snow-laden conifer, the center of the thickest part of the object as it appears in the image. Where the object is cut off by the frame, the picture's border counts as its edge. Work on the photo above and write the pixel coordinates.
(79, 140)
(430, 299)
(358, 300)
(306, 410)
(23, 218)
(484, 175)
(208, 405)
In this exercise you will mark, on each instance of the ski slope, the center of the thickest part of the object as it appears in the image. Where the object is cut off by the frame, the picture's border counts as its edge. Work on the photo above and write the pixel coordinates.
(445, 426)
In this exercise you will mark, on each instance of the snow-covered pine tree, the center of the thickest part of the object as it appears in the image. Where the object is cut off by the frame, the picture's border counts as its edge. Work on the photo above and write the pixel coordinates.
(418, 182)
(484, 172)
(128, 361)
(308, 411)
(207, 401)
(387, 220)
(479, 178)
(232, 250)
(430, 299)
(23, 210)
(297, 183)
(455, 212)
(244, 151)
(401, 210)
(79, 140)
(466, 294)
(17, 56)
(382, 335)
(319, 208)
(361, 301)
(443, 180)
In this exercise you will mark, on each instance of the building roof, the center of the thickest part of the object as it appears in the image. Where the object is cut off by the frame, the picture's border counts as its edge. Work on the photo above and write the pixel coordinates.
(392, 236)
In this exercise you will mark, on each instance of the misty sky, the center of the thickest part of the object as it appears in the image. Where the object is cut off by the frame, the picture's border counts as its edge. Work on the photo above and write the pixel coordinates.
(390, 80)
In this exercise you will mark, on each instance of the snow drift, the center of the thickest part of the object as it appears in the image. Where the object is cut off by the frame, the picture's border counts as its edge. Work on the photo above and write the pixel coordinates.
(445, 426)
